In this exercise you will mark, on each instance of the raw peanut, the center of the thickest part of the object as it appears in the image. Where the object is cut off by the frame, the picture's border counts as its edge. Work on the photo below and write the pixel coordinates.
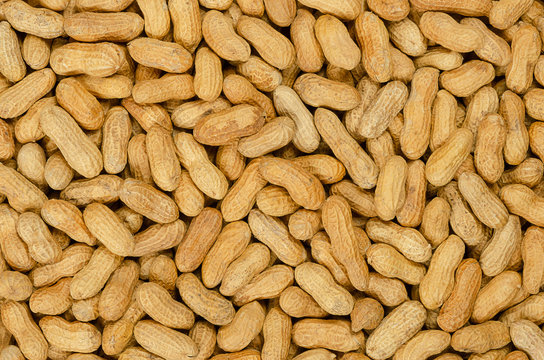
(163, 271)
(517, 138)
(78, 150)
(262, 75)
(228, 125)
(204, 335)
(297, 303)
(198, 239)
(345, 10)
(159, 305)
(230, 161)
(102, 189)
(52, 300)
(273, 47)
(402, 65)
(338, 47)
(339, 74)
(91, 279)
(148, 201)
(15, 286)
(438, 282)
(67, 217)
(367, 314)
(390, 292)
(275, 201)
(373, 39)
(12, 65)
(316, 354)
(106, 226)
(336, 218)
(27, 128)
(444, 30)
(219, 34)
(483, 102)
(11, 352)
(246, 325)
(166, 56)
(501, 247)
(539, 70)
(303, 224)
(188, 114)
(206, 303)
(424, 344)
(390, 192)
(13, 247)
(116, 296)
(317, 91)
(326, 168)
(516, 355)
(100, 59)
(137, 353)
(485, 204)
(31, 163)
(251, 7)
(18, 98)
(381, 149)
(440, 58)
(95, 27)
(467, 78)
(102, 5)
(435, 222)
(66, 336)
(273, 233)
(463, 7)
(358, 164)
(491, 354)
(239, 90)
(529, 309)
(277, 334)
(138, 160)
(18, 321)
(495, 296)
(395, 10)
(168, 87)
(389, 101)
(406, 240)
(41, 245)
(204, 174)
(79, 103)
(250, 354)
(148, 115)
(216, 4)
(267, 285)
(359, 200)
(58, 174)
(242, 195)
(164, 342)
(185, 16)
(488, 153)
(407, 37)
(7, 143)
(494, 48)
(526, 45)
(230, 244)
(317, 281)
(112, 87)
(414, 138)
(252, 261)
(389, 262)
(116, 135)
(131, 219)
(315, 333)
(40, 22)
(73, 259)
(505, 13)
(529, 173)
(287, 103)
(533, 106)
(411, 213)
(208, 80)
(86, 310)
(481, 338)
(156, 17)
(528, 337)
(282, 14)
(272, 136)
(22, 195)
(458, 307)
(309, 55)
(395, 330)
(532, 250)
(322, 253)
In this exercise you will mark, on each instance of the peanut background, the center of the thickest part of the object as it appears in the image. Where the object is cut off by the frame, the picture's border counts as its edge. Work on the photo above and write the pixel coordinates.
(271, 179)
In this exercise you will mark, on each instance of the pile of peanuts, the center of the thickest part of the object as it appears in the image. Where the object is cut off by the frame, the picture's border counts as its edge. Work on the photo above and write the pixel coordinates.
(271, 179)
